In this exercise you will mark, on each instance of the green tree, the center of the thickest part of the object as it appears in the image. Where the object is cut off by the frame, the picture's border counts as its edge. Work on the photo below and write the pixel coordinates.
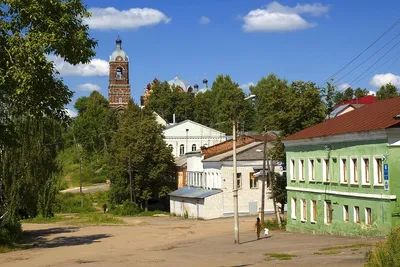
(143, 149)
(203, 112)
(348, 94)
(32, 95)
(387, 91)
(358, 93)
(278, 190)
(81, 104)
(330, 93)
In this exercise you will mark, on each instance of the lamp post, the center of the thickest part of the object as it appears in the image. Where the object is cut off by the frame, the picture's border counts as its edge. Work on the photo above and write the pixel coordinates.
(235, 185)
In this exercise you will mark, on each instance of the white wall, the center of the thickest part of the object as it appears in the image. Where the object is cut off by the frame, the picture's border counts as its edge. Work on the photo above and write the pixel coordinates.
(198, 135)
(245, 194)
(209, 208)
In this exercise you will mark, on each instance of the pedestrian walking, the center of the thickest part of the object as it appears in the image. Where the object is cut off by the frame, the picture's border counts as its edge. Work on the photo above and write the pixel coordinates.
(258, 228)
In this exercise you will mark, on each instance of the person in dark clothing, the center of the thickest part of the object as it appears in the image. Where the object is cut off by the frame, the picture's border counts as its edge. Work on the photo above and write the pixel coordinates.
(257, 227)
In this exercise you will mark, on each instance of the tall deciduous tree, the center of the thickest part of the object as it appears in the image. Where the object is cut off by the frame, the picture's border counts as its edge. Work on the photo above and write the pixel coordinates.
(138, 146)
(387, 91)
(32, 94)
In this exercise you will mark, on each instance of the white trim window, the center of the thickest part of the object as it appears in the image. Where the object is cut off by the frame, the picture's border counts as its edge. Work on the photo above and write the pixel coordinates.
(368, 216)
(292, 169)
(365, 174)
(378, 171)
(311, 169)
(354, 170)
(313, 211)
(301, 169)
(328, 212)
(303, 210)
(294, 207)
(356, 211)
(346, 213)
(325, 170)
(343, 170)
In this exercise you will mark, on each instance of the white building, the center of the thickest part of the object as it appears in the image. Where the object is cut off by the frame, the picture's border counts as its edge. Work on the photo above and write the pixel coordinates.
(209, 190)
(187, 136)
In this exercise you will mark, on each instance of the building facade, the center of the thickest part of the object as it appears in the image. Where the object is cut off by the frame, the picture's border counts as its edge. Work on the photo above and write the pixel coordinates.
(208, 192)
(343, 173)
(119, 89)
(188, 136)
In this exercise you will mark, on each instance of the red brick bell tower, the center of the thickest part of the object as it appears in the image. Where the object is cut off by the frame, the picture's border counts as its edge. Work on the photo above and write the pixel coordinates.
(119, 89)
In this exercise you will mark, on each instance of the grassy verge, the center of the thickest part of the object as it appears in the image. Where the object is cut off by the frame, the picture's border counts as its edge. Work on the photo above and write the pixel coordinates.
(354, 246)
(328, 252)
(41, 220)
(280, 256)
(272, 224)
(78, 219)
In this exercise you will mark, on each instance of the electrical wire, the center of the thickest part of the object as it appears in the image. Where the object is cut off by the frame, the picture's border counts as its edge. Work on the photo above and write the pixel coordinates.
(365, 50)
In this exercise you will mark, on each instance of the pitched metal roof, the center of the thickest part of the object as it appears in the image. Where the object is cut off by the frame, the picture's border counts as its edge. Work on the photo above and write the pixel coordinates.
(246, 152)
(376, 116)
(194, 192)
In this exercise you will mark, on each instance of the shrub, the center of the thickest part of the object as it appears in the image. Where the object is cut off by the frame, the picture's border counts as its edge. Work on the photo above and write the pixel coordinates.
(10, 234)
(126, 209)
(71, 203)
(272, 224)
(386, 254)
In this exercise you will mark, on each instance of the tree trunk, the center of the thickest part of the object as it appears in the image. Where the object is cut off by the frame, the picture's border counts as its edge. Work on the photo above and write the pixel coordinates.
(146, 205)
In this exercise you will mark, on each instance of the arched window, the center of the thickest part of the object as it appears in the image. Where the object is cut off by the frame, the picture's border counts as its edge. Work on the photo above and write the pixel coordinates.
(205, 145)
(171, 147)
(119, 73)
(194, 147)
(182, 149)
(120, 100)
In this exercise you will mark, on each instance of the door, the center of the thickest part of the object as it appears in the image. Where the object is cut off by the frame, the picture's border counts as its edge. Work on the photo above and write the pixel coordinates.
(252, 207)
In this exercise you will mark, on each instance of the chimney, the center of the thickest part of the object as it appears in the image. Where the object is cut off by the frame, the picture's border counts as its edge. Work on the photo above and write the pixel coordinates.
(173, 118)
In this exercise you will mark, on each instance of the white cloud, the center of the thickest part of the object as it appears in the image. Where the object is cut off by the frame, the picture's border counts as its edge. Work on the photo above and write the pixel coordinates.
(88, 87)
(205, 20)
(278, 18)
(371, 93)
(382, 79)
(97, 67)
(134, 18)
(315, 9)
(246, 86)
(71, 113)
(343, 86)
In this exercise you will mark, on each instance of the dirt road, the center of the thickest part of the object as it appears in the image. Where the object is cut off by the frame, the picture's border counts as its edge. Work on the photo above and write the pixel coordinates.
(176, 242)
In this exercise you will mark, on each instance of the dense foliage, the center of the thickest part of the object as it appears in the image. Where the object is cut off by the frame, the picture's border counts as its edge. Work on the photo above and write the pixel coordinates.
(386, 254)
(32, 100)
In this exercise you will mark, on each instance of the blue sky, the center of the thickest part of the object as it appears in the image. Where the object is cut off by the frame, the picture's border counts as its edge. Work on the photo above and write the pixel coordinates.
(247, 39)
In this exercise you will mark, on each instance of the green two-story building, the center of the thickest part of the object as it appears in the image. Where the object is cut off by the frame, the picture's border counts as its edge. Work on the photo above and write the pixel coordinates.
(344, 173)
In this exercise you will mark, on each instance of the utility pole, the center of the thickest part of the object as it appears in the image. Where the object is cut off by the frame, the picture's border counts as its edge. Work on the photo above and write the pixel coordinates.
(278, 217)
(130, 178)
(235, 185)
(263, 176)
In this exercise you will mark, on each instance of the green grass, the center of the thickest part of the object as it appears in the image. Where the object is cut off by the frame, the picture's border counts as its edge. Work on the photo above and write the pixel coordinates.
(280, 256)
(151, 213)
(41, 220)
(328, 252)
(96, 219)
(346, 246)
(6, 249)
(272, 224)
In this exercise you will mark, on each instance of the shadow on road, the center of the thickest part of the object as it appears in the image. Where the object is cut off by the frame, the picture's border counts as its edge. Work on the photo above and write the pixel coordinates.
(41, 238)
(255, 240)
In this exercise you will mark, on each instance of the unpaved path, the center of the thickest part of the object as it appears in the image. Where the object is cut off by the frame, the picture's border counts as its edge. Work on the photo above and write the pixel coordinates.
(175, 242)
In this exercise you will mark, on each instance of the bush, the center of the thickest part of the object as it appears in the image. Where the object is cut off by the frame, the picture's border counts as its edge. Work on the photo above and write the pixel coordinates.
(126, 209)
(386, 254)
(71, 203)
(10, 234)
(272, 224)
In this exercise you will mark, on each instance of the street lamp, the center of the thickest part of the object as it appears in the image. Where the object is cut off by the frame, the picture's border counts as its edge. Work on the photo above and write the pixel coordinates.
(235, 185)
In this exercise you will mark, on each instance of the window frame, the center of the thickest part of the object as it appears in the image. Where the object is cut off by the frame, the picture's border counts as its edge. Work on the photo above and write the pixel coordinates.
(293, 205)
(346, 216)
(325, 170)
(328, 204)
(311, 169)
(356, 211)
(239, 180)
(368, 216)
(195, 147)
(343, 170)
(364, 174)
(376, 171)
(293, 169)
(313, 211)
(301, 170)
(353, 172)
(254, 180)
(303, 210)
(181, 148)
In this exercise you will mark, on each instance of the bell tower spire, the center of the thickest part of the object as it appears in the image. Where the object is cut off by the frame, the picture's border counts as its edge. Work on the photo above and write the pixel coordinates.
(119, 89)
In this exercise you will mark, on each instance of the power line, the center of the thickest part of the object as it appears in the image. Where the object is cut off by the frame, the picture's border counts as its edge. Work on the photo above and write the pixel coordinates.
(365, 50)
(337, 81)
(356, 79)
